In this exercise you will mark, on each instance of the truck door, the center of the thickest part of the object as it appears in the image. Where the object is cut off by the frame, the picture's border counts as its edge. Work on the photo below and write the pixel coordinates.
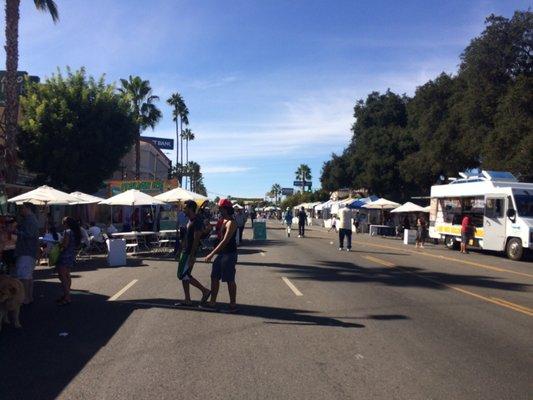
(494, 221)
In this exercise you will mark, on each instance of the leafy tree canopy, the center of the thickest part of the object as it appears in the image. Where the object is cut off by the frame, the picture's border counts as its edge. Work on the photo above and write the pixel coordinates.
(74, 131)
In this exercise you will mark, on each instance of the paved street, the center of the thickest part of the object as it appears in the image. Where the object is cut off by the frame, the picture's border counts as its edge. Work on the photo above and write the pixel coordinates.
(382, 322)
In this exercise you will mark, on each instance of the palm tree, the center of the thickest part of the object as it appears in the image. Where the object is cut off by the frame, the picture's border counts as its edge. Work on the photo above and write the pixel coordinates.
(276, 190)
(180, 115)
(303, 173)
(187, 135)
(139, 95)
(12, 60)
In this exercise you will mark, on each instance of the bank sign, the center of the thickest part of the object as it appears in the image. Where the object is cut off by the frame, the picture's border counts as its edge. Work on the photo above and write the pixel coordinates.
(162, 143)
(21, 76)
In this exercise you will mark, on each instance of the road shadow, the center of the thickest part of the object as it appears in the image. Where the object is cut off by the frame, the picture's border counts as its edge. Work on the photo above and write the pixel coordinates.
(400, 276)
(56, 343)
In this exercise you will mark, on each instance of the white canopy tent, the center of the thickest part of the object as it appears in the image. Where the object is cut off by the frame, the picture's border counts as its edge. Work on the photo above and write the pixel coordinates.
(408, 208)
(84, 198)
(238, 206)
(382, 204)
(132, 197)
(179, 194)
(44, 195)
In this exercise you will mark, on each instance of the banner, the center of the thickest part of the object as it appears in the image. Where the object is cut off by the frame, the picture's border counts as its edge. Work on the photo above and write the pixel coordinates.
(151, 187)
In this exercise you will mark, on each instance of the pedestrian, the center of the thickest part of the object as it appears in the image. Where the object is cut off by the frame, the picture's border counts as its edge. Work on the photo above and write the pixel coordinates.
(333, 220)
(466, 229)
(226, 250)
(239, 220)
(288, 220)
(72, 239)
(345, 228)
(253, 215)
(302, 219)
(357, 222)
(187, 258)
(181, 229)
(26, 249)
(420, 232)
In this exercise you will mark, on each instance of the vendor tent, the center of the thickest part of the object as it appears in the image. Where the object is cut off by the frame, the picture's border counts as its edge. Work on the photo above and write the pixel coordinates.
(132, 197)
(179, 194)
(84, 198)
(358, 203)
(381, 204)
(408, 208)
(45, 195)
(238, 206)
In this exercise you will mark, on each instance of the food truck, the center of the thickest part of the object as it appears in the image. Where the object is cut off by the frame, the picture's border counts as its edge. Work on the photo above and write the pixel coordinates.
(500, 209)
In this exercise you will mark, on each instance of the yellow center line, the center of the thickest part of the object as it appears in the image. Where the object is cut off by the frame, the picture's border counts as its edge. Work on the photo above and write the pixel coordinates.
(441, 257)
(493, 300)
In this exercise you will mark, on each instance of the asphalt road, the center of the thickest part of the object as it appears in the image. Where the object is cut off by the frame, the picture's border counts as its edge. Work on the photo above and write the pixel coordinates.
(384, 321)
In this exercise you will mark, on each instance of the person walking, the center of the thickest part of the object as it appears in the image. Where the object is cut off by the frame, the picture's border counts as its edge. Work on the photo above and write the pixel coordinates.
(345, 228)
(195, 228)
(226, 250)
(302, 219)
(288, 220)
(466, 229)
(333, 220)
(72, 239)
(420, 232)
(239, 220)
(26, 249)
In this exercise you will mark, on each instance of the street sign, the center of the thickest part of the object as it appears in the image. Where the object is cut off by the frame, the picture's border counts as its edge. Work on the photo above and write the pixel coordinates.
(162, 143)
(21, 75)
(287, 191)
(301, 183)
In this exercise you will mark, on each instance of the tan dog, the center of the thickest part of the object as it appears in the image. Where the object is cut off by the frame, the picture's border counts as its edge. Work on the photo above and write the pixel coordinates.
(11, 298)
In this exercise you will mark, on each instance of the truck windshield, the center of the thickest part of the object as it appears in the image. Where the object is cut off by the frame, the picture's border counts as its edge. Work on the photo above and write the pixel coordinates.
(524, 203)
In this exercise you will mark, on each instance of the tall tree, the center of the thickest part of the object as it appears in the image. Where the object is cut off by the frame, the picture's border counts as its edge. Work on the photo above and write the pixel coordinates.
(74, 131)
(139, 95)
(303, 173)
(276, 191)
(187, 135)
(180, 115)
(8, 165)
(197, 181)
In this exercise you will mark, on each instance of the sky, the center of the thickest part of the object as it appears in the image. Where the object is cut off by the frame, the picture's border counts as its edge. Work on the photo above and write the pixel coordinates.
(269, 84)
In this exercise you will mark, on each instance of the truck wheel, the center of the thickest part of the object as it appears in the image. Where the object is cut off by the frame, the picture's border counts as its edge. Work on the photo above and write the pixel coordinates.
(451, 243)
(514, 249)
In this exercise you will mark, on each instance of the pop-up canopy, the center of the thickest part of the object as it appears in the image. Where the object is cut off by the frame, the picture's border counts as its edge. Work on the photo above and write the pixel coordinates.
(132, 197)
(179, 194)
(382, 204)
(84, 198)
(44, 195)
(408, 208)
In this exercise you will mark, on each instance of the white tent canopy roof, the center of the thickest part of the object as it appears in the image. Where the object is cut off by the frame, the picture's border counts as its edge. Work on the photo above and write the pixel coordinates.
(45, 195)
(382, 204)
(238, 206)
(408, 207)
(179, 194)
(84, 198)
(132, 197)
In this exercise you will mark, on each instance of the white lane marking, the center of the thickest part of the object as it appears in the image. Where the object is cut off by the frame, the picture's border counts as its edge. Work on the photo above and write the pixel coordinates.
(291, 286)
(263, 254)
(122, 291)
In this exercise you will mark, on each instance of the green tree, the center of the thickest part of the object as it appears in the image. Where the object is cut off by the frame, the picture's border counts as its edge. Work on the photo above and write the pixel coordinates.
(74, 131)
(197, 181)
(180, 115)
(303, 173)
(8, 159)
(187, 135)
(379, 143)
(336, 173)
(276, 191)
(489, 65)
(139, 95)
(436, 130)
(509, 146)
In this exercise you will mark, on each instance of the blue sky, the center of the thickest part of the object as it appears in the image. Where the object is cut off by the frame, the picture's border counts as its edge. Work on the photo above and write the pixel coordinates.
(269, 84)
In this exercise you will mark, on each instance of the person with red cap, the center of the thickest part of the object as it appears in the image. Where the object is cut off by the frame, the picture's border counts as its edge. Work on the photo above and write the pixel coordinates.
(226, 260)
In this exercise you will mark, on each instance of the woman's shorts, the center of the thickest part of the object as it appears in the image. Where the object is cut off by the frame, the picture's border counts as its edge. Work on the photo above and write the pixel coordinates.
(224, 267)
(464, 237)
(24, 267)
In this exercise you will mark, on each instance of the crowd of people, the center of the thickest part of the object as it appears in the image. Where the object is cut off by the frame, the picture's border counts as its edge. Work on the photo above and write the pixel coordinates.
(23, 247)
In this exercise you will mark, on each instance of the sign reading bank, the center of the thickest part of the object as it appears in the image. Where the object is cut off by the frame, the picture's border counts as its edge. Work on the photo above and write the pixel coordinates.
(162, 143)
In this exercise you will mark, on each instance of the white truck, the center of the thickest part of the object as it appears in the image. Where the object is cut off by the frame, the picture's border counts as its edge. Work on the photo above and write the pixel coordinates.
(500, 208)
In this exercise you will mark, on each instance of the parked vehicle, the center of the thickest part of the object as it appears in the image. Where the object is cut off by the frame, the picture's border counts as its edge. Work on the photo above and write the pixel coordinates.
(500, 209)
